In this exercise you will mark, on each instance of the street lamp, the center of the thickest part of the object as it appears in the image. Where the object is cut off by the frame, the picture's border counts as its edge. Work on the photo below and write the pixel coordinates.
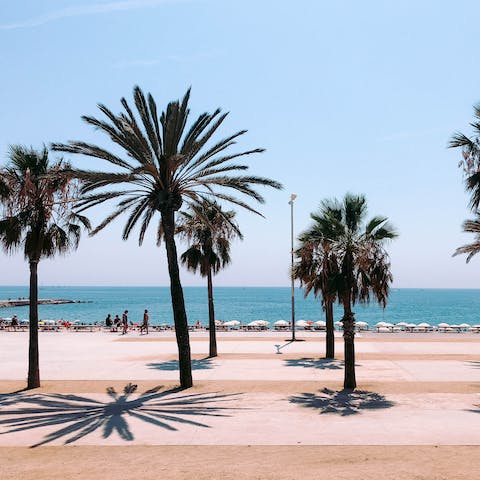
(292, 198)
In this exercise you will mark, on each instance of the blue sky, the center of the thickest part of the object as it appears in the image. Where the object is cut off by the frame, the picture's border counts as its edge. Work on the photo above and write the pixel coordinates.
(345, 96)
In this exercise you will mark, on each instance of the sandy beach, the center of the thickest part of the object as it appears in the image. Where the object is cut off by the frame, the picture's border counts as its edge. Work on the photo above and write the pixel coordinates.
(253, 413)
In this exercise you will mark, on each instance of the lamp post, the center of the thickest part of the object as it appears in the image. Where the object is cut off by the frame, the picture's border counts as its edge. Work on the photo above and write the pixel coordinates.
(292, 198)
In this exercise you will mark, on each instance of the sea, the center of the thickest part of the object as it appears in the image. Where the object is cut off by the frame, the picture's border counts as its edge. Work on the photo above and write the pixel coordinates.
(244, 304)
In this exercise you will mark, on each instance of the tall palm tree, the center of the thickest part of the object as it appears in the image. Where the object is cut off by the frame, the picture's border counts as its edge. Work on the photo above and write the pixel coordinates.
(316, 267)
(363, 264)
(209, 230)
(470, 249)
(37, 215)
(470, 163)
(164, 165)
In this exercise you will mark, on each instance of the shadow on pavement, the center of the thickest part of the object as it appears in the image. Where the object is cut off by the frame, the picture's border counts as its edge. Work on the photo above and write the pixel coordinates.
(78, 416)
(473, 364)
(204, 364)
(320, 363)
(476, 410)
(343, 402)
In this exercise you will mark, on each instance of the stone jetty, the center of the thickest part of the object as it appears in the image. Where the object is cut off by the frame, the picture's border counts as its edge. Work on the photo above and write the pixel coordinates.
(22, 302)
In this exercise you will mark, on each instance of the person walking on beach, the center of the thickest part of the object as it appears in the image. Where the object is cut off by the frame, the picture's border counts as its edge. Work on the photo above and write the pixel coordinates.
(125, 322)
(144, 325)
(14, 323)
(108, 321)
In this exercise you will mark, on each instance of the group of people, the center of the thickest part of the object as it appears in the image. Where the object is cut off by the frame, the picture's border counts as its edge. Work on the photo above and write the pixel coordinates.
(13, 323)
(122, 323)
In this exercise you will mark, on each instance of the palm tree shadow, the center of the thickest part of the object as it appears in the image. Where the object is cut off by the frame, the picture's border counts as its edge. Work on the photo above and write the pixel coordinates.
(473, 363)
(344, 402)
(78, 416)
(203, 364)
(7, 399)
(320, 363)
(472, 410)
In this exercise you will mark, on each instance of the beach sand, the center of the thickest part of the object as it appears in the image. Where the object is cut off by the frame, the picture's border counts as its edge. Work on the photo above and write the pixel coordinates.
(253, 414)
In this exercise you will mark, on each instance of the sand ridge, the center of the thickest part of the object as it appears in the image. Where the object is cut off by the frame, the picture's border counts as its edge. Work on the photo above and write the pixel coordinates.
(226, 462)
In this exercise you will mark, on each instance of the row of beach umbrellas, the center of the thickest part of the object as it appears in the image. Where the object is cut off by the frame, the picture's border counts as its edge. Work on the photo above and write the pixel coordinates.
(279, 323)
(360, 324)
(424, 325)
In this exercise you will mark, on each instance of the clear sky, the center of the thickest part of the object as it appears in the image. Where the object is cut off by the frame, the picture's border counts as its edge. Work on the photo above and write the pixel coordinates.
(344, 95)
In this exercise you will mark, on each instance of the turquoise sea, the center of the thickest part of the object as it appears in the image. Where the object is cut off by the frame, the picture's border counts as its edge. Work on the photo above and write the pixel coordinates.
(244, 304)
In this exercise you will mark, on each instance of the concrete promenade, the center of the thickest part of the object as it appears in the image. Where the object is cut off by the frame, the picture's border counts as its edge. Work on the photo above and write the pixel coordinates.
(107, 390)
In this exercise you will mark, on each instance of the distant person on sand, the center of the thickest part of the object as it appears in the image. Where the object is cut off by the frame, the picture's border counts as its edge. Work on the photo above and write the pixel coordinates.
(125, 322)
(116, 323)
(14, 323)
(108, 321)
(144, 325)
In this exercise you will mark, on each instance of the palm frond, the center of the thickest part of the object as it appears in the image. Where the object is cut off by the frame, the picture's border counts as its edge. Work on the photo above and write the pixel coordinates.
(163, 164)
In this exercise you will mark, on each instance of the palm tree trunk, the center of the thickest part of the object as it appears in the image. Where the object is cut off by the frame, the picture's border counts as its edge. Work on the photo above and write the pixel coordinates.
(211, 317)
(349, 346)
(330, 338)
(33, 380)
(178, 302)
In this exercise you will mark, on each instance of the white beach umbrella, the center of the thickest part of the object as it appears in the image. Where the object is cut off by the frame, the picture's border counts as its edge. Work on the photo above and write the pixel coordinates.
(218, 322)
(464, 325)
(321, 323)
(361, 325)
(253, 324)
(262, 323)
(455, 326)
(231, 323)
(382, 324)
(281, 323)
(302, 323)
(443, 325)
(402, 324)
(424, 325)
(338, 324)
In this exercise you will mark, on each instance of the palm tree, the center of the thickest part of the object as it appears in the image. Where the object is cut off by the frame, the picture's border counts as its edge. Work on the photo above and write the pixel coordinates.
(470, 249)
(315, 268)
(165, 165)
(470, 162)
(363, 264)
(209, 231)
(37, 216)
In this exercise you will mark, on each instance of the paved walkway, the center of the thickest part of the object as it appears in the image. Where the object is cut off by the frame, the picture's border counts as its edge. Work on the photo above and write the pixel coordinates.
(248, 396)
